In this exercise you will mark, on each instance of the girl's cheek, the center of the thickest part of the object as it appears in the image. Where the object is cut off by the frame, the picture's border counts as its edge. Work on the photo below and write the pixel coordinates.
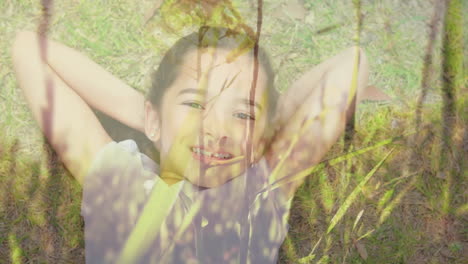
(185, 128)
(240, 131)
(185, 121)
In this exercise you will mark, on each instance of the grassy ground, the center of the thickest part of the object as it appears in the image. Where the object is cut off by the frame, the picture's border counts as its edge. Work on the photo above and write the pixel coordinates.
(399, 215)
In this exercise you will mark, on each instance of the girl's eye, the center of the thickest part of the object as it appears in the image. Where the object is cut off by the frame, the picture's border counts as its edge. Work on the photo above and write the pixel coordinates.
(244, 116)
(194, 105)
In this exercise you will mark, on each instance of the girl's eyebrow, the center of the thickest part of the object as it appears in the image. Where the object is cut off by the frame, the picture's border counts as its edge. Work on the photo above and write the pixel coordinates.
(202, 92)
(249, 103)
(192, 91)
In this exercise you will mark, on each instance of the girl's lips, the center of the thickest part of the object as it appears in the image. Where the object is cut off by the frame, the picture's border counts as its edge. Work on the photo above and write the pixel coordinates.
(209, 157)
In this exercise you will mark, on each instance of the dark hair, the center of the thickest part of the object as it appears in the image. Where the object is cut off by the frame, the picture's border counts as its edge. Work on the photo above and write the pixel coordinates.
(238, 43)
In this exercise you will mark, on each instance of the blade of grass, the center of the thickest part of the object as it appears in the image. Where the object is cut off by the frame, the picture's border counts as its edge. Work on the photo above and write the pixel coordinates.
(333, 161)
(289, 249)
(358, 217)
(16, 252)
(366, 234)
(350, 199)
(461, 210)
(386, 212)
(311, 255)
(385, 198)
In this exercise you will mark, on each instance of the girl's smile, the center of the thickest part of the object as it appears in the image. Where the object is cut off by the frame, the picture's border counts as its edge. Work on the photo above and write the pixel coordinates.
(206, 155)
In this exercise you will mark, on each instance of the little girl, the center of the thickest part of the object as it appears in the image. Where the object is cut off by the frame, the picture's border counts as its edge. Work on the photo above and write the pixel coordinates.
(226, 142)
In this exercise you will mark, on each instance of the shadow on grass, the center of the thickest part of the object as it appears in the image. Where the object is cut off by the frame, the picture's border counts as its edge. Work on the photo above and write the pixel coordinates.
(39, 220)
(39, 215)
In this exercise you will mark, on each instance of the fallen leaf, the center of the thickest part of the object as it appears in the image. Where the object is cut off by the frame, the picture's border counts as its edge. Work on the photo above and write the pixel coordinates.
(372, 93)
(310, 18)
(292, 56)
(446, 253)
(395, 124)
(295, 9)
(150, 14)
(361, 249)
(278, 12)
(327, 29)
(441, 175)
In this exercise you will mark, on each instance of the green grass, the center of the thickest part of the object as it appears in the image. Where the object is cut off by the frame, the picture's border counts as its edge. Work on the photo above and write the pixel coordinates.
(40, 203)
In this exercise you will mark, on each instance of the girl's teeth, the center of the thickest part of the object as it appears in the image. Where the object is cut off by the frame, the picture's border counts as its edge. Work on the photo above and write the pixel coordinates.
(221, 156)
(209, 154)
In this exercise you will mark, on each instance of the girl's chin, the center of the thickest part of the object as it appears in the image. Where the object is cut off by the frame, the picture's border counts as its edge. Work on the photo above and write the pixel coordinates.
(210, 178)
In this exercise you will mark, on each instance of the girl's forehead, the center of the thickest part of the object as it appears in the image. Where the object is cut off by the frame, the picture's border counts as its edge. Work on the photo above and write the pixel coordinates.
(215, 70)
(210, 58)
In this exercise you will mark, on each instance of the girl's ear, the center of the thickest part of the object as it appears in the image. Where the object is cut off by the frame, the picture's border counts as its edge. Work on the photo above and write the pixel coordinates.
(152, 127)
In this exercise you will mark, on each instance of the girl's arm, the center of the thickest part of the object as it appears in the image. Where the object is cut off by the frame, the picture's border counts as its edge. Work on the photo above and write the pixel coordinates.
(96, 86)
(60, 85)
(312, 115)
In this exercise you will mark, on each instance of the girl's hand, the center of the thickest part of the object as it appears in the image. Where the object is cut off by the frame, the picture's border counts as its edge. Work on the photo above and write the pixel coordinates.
(312, 114)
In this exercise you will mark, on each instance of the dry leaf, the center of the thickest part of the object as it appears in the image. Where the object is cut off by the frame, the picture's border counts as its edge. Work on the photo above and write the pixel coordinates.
(361, 249)
(446, 253)
(441, 175)
(395, 124)
(310, 18)
(150, 14)
(328, 29)
(295, 9)
(374, 94)
(292, 56)
(277, 12)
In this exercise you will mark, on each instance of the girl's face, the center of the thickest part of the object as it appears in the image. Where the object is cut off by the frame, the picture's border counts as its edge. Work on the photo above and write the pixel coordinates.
(206, 119)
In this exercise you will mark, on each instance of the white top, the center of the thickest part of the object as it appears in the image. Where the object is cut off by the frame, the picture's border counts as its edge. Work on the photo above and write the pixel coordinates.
(182, 223)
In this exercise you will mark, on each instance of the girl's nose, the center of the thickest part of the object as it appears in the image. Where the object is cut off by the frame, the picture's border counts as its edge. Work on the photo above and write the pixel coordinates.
(214, 127)
(214, 141)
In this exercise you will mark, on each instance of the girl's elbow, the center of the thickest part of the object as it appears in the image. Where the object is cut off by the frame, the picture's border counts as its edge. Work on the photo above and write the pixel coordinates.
(23, 42)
